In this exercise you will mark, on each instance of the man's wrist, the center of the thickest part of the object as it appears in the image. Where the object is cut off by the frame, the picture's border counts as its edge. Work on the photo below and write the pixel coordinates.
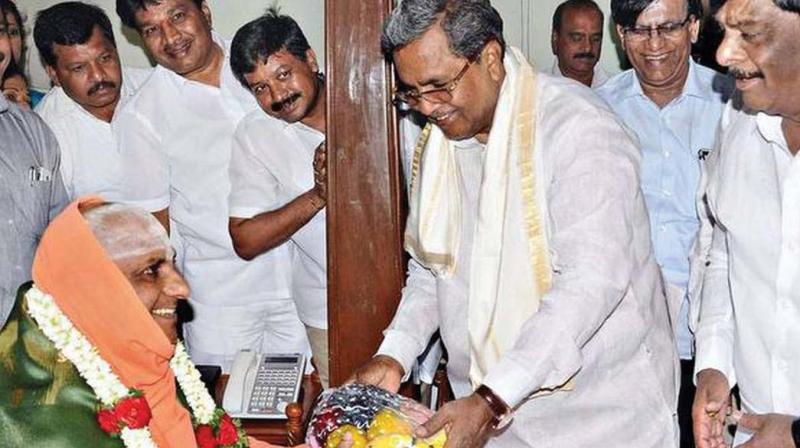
(796, 432)
(315, 200)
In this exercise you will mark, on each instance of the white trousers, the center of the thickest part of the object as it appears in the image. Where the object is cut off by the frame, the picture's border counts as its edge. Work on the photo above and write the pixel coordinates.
(217, 333)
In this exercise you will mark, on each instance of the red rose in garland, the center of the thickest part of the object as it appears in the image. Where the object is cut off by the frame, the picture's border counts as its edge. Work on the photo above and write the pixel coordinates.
(228, 433)
(133, 412)
(205, 437)
(108, 421)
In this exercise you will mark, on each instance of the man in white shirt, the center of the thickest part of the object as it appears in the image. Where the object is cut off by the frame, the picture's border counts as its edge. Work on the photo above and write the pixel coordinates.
(76, 43)
(175, 137)
(278, 182)
(673, 106)
(531, 246)
(576, 40)
(749, 324)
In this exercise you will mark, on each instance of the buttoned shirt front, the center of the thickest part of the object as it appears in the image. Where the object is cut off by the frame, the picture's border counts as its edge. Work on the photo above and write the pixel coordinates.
(749, 324)
(599, 78)
(31, 194)
(89, 153)
(175, 139)
(271, 165)
(670, 138)
(604, 321)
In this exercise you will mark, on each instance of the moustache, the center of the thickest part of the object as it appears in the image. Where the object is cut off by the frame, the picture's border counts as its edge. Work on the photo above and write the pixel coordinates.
(584, 56)
(100, 85)
(280, 105)
(741, 74)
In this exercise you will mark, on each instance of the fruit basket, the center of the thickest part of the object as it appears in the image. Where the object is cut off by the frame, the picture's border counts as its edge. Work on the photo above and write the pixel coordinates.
(373, 417)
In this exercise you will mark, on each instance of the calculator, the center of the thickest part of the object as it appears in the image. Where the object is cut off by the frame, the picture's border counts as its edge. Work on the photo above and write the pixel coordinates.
(261, 385)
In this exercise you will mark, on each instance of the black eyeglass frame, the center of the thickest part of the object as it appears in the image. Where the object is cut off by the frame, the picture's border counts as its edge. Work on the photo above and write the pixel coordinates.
(412, 97)
(662, 30)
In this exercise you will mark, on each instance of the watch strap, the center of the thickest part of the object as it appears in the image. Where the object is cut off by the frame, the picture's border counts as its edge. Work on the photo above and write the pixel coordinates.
(500, 409)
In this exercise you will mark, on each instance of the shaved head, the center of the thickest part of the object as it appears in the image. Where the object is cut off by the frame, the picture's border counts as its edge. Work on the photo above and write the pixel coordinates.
(125, 231)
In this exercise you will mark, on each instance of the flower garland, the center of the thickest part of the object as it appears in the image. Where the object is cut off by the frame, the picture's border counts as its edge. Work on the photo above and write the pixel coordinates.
(124, 412)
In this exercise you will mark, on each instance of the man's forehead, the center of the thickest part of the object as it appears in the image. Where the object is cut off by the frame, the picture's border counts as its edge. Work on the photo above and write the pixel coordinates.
(737, 13)
(158, 9)
(427, 58)
(581, 14)
(96, 42)
(661, 10)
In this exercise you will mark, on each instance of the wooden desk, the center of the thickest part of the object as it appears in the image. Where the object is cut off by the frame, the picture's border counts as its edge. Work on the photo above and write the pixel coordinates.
(287, 432)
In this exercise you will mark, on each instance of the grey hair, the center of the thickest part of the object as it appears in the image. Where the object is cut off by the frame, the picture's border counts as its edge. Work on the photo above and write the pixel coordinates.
(468, 24)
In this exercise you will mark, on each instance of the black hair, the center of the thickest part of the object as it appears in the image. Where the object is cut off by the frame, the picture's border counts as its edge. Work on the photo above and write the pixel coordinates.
(558, 15)
(788, 5)
(468, 24)
(127, 9)
(68, 23)
(625, 12)
(7, 6)
(259, 39)
(13, 70)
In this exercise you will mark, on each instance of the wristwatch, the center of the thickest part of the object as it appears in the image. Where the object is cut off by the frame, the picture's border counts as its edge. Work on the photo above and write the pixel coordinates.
(796, 432)
(503, 414)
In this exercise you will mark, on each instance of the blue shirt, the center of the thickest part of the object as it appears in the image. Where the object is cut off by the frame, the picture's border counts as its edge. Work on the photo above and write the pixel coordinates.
(670, 138)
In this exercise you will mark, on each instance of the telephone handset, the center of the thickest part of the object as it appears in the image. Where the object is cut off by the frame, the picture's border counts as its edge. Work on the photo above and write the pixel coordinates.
(261, 385)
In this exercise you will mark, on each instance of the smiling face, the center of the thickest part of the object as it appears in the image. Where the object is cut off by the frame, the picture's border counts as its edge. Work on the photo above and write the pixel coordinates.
(662, 61)
(140, 248)
(761, 48)
(577, 44)
(89, 73)
(428, 63)
(177, 35)
(287, 87)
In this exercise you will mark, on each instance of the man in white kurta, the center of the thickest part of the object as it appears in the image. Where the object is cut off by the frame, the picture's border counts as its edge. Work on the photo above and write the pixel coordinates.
(749, 323)
(89, 151)
(175, 137)
(77, 45)
(593, 364)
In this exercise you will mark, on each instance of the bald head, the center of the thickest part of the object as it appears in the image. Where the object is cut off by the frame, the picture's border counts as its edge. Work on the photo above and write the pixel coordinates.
(125, 231)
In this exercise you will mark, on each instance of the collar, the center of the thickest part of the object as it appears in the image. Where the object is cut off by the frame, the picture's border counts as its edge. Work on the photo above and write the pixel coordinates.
(769, 126)
(693, 86)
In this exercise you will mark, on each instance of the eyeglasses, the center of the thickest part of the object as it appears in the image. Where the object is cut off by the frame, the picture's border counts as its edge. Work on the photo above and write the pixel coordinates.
(412, 97)
(669, 30)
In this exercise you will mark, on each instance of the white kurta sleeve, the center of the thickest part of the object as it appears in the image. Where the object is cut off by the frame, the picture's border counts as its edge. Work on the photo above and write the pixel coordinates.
(715, 332)
(144, 161)
(416, 319)
(254, 189)
(594, 203)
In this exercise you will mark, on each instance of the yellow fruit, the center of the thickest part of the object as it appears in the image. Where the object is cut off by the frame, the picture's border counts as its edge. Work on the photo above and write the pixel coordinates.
(391, 441)
(387, 422)
(334, 438)
(435, 441)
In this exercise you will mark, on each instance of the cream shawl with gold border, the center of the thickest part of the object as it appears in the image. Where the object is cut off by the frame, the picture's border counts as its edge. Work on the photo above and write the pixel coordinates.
(510, 262)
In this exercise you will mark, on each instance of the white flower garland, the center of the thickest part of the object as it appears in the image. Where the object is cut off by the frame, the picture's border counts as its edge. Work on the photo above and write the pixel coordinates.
(74, 346)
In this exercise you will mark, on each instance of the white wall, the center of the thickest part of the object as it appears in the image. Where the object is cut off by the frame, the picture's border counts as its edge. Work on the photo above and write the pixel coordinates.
(527, 26)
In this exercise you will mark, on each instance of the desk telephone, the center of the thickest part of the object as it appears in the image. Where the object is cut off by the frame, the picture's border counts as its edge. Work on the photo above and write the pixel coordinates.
(261, 385)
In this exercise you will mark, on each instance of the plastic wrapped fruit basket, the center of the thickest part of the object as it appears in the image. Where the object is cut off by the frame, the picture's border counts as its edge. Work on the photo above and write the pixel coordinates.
(373, 417)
